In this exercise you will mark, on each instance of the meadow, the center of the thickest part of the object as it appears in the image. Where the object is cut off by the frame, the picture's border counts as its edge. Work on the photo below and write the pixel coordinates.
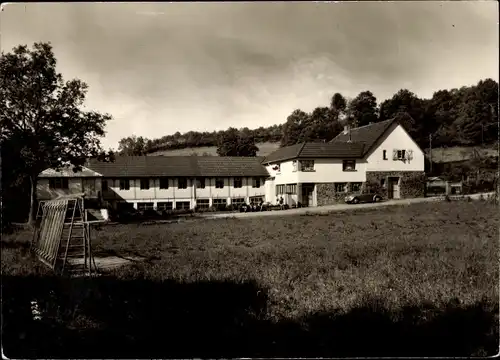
(414, 280)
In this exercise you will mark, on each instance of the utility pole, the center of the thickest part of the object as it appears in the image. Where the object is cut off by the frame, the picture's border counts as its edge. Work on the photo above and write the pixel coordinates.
(430, 152)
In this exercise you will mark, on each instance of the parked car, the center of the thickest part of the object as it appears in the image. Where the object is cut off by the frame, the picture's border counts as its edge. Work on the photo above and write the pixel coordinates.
(367, 197)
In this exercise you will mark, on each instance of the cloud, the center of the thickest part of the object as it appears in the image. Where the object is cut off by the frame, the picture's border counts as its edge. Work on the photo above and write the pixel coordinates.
(165, 67)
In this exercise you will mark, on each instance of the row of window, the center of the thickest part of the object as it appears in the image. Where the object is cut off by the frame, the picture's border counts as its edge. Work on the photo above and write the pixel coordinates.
(200, 203)
(308, 165)
(286, 189)
(182, 183)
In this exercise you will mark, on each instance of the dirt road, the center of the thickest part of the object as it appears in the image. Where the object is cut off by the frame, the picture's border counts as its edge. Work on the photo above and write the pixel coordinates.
(337, 207)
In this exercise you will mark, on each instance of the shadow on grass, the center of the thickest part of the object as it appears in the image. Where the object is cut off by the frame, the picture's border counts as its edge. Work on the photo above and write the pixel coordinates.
(106, 317)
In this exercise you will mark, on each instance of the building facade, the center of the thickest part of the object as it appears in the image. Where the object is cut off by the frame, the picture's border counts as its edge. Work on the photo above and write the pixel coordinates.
(382, 157)
(162, 182)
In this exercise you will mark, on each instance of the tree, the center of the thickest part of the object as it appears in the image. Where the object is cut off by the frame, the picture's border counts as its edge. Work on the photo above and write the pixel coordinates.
(41, 116)
(134, 146)
(293, 128)
(404, 101)
(363, 109)
(231, 143)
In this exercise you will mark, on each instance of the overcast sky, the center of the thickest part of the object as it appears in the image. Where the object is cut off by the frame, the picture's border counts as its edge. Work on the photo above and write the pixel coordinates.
(162, 68)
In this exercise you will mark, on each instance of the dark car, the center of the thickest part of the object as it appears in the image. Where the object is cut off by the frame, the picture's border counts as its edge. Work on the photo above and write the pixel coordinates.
(367, 197)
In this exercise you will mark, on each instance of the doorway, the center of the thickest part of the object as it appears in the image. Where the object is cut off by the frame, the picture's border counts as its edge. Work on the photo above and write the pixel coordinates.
(393, 188)
(307, 195)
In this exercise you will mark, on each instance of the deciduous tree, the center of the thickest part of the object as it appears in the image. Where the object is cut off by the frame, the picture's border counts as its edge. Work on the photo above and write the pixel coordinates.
(41, 116)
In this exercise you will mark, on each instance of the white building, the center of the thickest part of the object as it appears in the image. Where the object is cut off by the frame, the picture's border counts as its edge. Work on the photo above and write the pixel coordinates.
(162, 182)
(382, 156)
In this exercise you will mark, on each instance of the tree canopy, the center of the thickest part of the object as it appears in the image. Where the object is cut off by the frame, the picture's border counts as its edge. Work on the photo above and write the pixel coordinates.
(464, 116)
(43, 124)
(235, 143)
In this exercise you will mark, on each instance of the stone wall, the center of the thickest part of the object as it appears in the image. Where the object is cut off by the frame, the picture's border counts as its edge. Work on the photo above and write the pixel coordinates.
(411, 185)
(326, 194)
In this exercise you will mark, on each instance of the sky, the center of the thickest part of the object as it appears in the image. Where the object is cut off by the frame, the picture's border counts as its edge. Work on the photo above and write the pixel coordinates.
(158, 68)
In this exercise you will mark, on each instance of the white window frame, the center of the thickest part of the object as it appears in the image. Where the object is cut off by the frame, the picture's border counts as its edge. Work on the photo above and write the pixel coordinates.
(306, 165)
(346, 168)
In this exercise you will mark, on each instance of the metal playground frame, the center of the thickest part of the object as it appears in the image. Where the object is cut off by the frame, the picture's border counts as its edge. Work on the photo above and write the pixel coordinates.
(62, 239)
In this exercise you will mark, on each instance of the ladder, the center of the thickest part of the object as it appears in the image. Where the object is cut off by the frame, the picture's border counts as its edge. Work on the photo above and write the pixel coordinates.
(75, 253)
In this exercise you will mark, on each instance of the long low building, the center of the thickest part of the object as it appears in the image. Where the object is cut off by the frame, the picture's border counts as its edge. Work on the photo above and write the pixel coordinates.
(382, 155)
(162, 182)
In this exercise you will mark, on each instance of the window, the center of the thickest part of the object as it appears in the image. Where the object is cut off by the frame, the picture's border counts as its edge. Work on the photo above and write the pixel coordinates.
(237, 201)
(356, 186)
(291, 189)
(276, 168)
(124, 184)
(164, 205)
(398, 154)
(384, 154)
(200, 183)
(382, 182)
(349, 165)
(182, 205)
(105, 186)
(145, 206)
(61, 183)
(307, 165)
(256, 182)
(144, 184)
(202, 203)
(257, 199)
(182, 183)
(219, 202)
(280, 189)
(238, 183)
(294, 163)
(219, 183)
(163, 183)
(340, 187)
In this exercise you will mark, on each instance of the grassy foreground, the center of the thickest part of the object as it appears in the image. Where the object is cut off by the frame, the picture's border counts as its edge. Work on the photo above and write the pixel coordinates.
(410, 280)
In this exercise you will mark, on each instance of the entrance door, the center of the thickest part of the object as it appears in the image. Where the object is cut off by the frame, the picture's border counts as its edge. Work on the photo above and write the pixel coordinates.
(393, 188)
(307, 194)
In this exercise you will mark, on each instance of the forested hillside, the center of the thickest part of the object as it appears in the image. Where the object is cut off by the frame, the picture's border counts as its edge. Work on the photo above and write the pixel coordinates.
(467, 116)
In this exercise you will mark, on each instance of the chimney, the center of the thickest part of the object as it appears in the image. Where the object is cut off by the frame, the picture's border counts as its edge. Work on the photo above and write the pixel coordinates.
(347, 131)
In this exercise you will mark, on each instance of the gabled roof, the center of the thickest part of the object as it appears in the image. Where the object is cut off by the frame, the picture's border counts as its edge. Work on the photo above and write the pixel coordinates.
(316, 150)
(146, 166)
(367, 135)
(68, 172)
(180, 166)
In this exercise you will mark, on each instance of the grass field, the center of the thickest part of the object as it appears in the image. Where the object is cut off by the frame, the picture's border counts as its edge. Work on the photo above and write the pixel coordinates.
(265, 149)
(403, 280)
